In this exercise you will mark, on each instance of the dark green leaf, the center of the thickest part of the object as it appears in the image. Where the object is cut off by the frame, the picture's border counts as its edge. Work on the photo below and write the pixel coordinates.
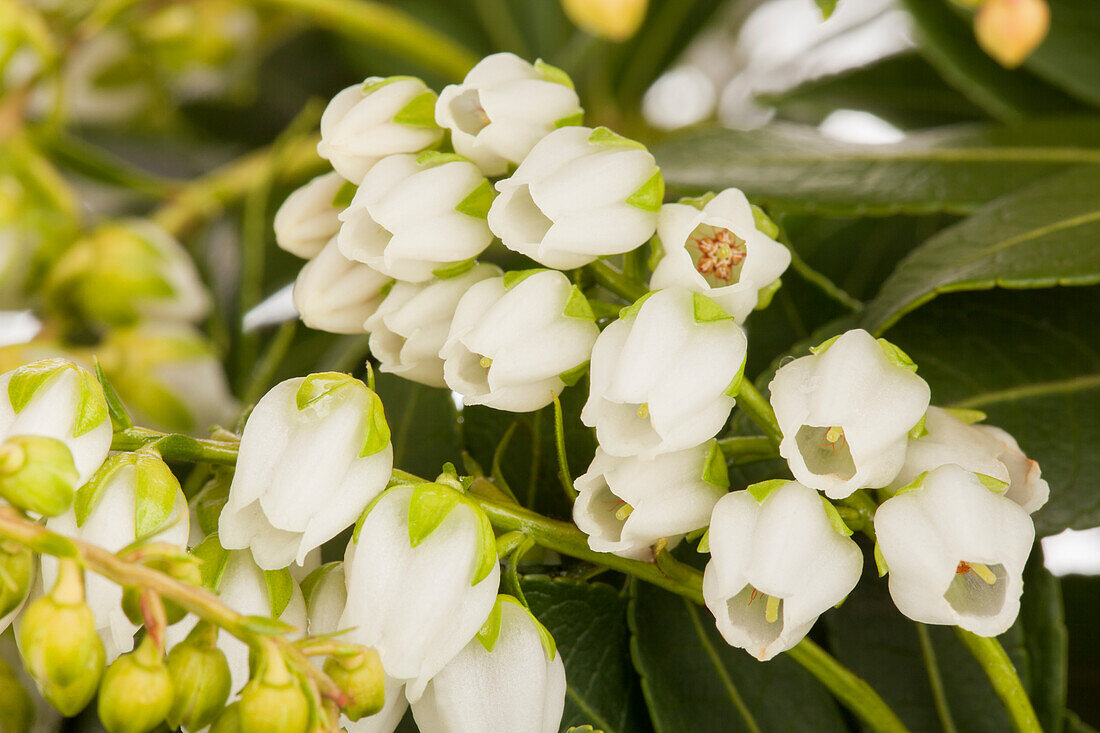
(1044, 626)
(1070, 48)
(955, 170)
(694, 681)
(588, 623)
(1043, 235)
(423, 423)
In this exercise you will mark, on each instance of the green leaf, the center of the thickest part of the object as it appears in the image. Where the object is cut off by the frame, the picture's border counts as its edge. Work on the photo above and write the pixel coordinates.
(344, 195)
(632, 310)
(793, 168)
(424, 428)
(605, 136)
(432, 158)
(369, 87)
(429, 506)
(1038, 237)
(715, 471)
(311, 581)
(378, 429)
(513, 278)
(478, 201)
(576, 118)
(28, 379)
(155, 495)
(1046, 639)
(317, 387)
(120, 419)
(1069, 47)
(705, 310)
(419, 112)
(826, 7)
(490, 631)
(835, 519)
(694, 681)
(570, 377)
(588, 622)
(577, 306)
(650, 195)
(88, 495)
(213, 558)
(762, 489)
(1024, 359)
(553, 74)
(454, 269)
(280, 589)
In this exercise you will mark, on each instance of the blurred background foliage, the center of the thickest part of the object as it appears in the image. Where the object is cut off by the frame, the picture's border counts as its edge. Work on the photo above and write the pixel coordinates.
(912, 151)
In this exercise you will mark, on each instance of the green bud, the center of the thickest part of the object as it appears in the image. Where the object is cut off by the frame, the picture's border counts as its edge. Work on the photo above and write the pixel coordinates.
(200, 676)
(360, 677)
(273, 701)
(37, 474)
(16, 575)
(60, 647)
(172, 562)
(16, 706)
(136, 693)
(229, 721)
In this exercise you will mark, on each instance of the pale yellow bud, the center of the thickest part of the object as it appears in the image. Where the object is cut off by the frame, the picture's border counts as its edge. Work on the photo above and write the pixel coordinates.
(1010, 30)
(615, 20)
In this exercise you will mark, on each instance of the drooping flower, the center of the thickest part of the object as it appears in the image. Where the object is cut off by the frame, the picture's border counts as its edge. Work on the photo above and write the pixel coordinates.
(335, 294)
(580, 194)
(415, 216)
(422, 578)
(412, 322)
(133, 496)
(625, 505)
(382, 116)
(718, 249)
(780, 557)
(314, 453)
(846, 411)
(503, 107)
(57, 399)
(517, 340)
(510, 677)
(955, 551)
(664, 375)
(310, 216)
(981, 449)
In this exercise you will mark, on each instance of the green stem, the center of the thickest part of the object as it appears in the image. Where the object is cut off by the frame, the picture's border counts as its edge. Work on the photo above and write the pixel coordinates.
(500, 26)
(759, 411)
(747, 449)
(856, 694)
(388, 28)
(935, 680)
(1002, 675)
(817, 279)
(177, 447)
(864, 507)
(264, 373)
(615, 281)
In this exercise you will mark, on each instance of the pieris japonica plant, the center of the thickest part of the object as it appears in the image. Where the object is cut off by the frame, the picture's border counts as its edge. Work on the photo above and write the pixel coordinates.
(477, 404)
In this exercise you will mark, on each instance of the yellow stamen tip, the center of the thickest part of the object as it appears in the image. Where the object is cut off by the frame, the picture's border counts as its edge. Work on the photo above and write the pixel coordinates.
(485, 362)
(983, 572)
(623, 512)
(834, 434)
(771, 609)
(643, 411)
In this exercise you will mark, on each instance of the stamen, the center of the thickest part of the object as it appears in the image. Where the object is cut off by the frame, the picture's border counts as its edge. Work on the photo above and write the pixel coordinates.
(643, 411)
(834, 434)
(983, 572)
(771, 609)
(623, 512)
(485, 362)
(753, 595)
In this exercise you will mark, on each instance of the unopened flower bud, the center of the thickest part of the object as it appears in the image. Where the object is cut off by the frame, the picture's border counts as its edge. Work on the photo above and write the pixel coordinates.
(273, 702)
(37, 474)
(310, 216)
(126, 271)
(229, 721)
(380, 117)
(60, 647)
(335, 294)
(615, 20)
(362, 678)
(16, 576)
(200, 676)
(1010, 30)
(16, 706)
(136, 693)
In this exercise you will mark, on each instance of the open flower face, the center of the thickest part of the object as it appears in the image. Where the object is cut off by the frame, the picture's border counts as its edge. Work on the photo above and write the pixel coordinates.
(411, 324)
(418, 216)
(778, 561)
(662, 375)
(955, 551)
(503, 107)
(579, 195)
(382, 116)
(626, 504)
(516, 340)
(846, 412)
(719, 251)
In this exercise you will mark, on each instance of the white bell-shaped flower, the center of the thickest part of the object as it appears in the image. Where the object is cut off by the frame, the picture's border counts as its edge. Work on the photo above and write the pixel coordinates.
(717, 249)
(57, 399)
(517, 340)
(846, 412)
(955, 551)
(503, 107)
(326, 595)
(133, 496)
(982, 449)
(415, 216)
(664, 375)
(422, 578)
(382, 116)
(625, 505)
(314, 453)
(780, 557)
(248, 590)
(510, 677)
(310, 216)
(580, 194)
(412, 322)
(335, 294)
